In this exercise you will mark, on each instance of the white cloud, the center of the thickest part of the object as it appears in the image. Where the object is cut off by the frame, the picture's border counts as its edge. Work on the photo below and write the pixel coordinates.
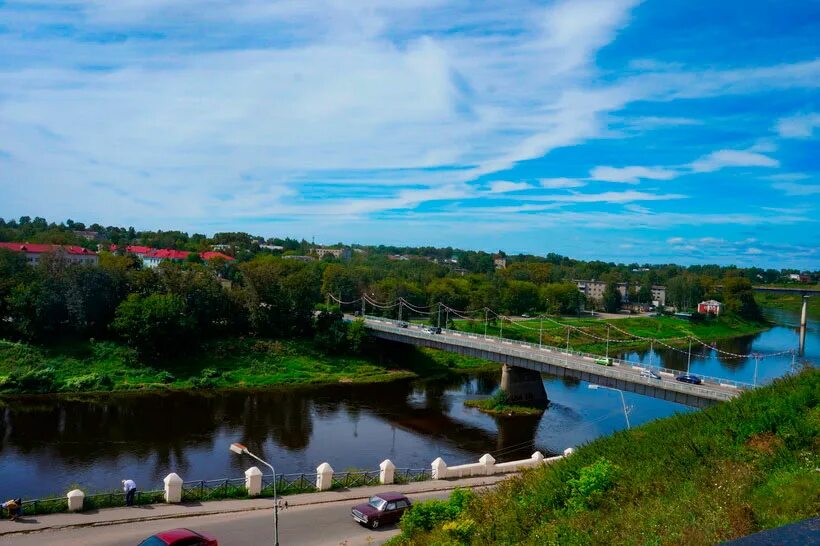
(801, 126)
(631, 175)
(505, 186)
(561, 183)
(675, 240)
(608, 197)
(752, 250)
(731, 158)
(793, 188)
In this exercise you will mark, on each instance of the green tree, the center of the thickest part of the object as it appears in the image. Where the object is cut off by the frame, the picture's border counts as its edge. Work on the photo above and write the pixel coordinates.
(611, 298)
(739, 299)
(644, 294)
(155, 325)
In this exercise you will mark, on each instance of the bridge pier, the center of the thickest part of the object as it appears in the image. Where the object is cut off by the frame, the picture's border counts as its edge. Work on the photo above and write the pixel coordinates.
(803, 320)
(523, 387)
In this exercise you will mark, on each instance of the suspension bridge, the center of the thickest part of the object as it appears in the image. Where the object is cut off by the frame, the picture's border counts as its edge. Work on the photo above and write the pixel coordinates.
(523, 362)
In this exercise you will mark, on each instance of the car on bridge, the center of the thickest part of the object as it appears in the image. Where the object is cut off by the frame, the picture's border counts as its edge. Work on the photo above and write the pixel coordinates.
(403, 324)
(649, 374)
(381, 509)
(604, 361)
(180, 537)
(688, 378)
(434, 330)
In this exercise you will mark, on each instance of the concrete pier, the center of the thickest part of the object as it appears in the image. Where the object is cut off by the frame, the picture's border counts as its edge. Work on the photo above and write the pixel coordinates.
(523, 387)
(803, 322)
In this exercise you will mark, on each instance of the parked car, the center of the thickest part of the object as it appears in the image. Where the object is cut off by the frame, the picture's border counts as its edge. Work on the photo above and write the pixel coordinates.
(180, 537)
(649, 374)
(381, 509)
(525, 315)
(687, 378)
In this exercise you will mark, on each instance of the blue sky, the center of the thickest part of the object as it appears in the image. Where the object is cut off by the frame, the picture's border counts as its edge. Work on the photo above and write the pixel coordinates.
(651, 131)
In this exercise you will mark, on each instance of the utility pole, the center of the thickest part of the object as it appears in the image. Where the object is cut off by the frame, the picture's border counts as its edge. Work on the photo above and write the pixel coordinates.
(607, 341)
(689, 358)
(401, 303)
(439, 315)
(486, 309)
(363, 305)
(540, 331)
(566, 359)
(651, 350)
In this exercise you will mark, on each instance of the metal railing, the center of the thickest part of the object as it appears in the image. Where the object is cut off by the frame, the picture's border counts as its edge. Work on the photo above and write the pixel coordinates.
(114, 499)
(354, 478)
(287, 484)
(410, 475)
(213, 489)
(713, 387)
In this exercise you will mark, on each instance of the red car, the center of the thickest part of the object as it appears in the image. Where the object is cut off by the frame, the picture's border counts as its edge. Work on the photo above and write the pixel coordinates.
(381, 509)
(179, 537)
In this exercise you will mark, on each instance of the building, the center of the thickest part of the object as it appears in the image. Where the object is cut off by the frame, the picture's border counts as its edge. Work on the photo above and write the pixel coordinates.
(343, 253)
(272, 248)
(594, 291)
(710, 307)
(215, 256)
(34, 252)
(300, 258)
(500, 262)
(155, 257)
(139, 251)
(221, 247)
(88, 235)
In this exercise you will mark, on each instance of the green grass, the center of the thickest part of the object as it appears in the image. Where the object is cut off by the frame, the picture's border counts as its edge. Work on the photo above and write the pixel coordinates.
(91, 366)
(498, 404)
(697, 478)
(651, 327)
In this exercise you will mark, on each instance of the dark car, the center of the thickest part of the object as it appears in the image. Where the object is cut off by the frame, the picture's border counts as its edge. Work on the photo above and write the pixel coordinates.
(434, 330)
(686, 378)
(381, 509)
(179, 537)
(404, 324)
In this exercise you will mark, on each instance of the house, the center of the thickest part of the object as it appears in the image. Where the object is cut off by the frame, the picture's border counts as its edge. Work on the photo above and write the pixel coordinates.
(221, 247)
(343, 253)
(710, 307)
(272, 248)
(460, 271)
(500, 262)
(215, 256)
(139, 251)
(88, 235)
(155, 257)
(300, 258)
(72, 254)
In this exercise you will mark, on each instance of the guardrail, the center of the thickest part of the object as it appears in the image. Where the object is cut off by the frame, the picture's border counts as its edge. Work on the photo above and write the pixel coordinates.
(355, 478)
(410, 475)
(560, 357)
(213, 489)
(288, 484)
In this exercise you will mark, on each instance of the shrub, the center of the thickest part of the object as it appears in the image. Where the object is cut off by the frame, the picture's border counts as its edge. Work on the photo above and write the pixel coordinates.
(88, 382)
(588, 489)
(428, 514)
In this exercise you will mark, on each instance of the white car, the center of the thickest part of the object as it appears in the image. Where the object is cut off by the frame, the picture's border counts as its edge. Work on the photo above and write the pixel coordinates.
(649, 374)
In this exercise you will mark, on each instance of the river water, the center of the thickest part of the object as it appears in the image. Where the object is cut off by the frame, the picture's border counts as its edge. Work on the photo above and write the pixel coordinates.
(49, 444)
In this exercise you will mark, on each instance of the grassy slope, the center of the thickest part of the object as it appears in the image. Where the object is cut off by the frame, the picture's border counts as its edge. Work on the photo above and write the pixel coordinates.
(655, 327)
(242, 362)
(696, 478)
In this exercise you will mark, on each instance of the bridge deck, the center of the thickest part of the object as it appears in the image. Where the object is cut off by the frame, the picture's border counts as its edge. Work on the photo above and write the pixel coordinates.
(622, 374)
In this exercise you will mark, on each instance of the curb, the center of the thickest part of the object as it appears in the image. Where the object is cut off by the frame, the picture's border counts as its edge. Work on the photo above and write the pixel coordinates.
(218, 512)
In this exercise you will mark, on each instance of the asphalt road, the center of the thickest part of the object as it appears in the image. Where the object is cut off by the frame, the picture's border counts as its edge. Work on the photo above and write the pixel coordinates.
(327, 524)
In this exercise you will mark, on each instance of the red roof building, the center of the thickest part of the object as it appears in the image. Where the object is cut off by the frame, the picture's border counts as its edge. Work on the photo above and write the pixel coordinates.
(214, 255)
(33, 251)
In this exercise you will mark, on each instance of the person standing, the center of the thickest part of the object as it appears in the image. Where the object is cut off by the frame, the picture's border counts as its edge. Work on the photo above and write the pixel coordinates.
(130, 489)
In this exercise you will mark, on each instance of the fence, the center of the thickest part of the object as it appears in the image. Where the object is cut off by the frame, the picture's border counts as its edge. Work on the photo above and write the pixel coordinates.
(226, 488)
(355, 478)
(288, 484)
(411, 475)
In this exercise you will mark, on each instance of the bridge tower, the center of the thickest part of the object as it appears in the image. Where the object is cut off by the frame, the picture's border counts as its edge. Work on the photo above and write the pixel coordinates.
(523, 387)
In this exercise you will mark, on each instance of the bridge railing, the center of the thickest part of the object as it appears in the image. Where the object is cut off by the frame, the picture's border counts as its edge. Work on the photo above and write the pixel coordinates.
(550, 355)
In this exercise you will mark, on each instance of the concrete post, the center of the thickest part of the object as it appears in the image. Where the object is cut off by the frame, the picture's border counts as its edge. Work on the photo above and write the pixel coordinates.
(173, 487)
(568, 451)
(803, 323)
(537, 456)
(387, 471)
(75, 500)
(253, 481)
(523, 387)
(439, 469)
(324, 477)
(488, 462)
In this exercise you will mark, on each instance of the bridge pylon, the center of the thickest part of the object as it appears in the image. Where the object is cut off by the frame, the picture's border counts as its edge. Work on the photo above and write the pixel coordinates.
(523, 387)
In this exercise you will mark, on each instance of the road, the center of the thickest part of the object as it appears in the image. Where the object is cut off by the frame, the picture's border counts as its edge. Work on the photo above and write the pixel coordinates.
(327, 524)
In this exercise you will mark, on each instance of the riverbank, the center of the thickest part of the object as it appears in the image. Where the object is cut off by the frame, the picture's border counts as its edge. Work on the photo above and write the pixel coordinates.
(591, 337)
(497, 404)
(696, 478)
(105, 366)
(789, 302)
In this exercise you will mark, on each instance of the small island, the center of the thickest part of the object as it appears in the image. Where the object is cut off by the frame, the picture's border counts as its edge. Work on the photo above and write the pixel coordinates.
(498, 404)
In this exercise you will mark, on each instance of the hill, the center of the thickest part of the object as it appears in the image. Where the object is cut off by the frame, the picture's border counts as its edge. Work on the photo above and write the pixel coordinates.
(695, 478)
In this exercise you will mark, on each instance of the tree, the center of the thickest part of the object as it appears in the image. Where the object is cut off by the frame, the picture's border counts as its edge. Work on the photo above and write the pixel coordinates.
(645, 294)
(155, 325)
(520, 297)
(611, 298)
(739, 299)
(561, 298)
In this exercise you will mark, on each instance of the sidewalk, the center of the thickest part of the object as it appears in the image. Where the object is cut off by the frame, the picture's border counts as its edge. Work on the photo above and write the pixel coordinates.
(117, 516)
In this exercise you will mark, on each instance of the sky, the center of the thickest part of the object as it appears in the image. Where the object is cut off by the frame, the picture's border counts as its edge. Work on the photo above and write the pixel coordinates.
(651, 132)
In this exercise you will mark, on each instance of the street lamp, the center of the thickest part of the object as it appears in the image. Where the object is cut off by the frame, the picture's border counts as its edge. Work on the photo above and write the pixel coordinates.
(239, 449)
(623, 402)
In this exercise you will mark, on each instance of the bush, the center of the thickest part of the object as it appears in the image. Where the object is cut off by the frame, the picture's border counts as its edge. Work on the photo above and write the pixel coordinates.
(88, 382)
(428, 514)
(588, 489)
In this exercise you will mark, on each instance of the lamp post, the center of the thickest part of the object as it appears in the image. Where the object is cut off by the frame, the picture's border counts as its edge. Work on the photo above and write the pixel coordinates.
(239, 449)
(623, 401)
(541, 331)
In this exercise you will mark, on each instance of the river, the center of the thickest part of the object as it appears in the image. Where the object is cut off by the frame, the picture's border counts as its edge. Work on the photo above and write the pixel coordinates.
(49, 444)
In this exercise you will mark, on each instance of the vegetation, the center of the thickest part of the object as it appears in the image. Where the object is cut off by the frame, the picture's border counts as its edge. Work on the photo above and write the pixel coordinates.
(696, 478)
(664, 327)
(789, 302)
(90, 366)
(498, 404)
